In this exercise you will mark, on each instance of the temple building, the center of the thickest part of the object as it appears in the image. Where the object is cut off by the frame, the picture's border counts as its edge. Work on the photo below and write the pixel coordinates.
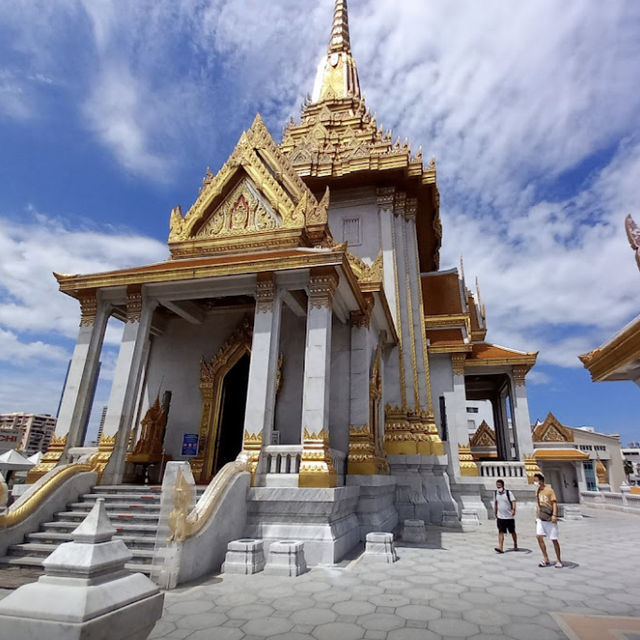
(302, 322)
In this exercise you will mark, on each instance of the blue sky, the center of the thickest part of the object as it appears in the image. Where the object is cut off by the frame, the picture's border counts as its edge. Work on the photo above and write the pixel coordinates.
(111, 111)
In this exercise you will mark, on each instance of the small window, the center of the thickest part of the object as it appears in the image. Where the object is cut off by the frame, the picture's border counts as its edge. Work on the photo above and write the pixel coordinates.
(351, 231)
(472, 409)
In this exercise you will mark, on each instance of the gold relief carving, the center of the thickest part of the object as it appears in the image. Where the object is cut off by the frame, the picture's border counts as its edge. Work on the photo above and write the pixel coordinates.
(150, 445)
(364, 458)
(88, 310)
(177, 224)
(279, 373)
(265, 290)
(411, 209)
(531, 467)
(182, 497)
(212, 373)
(252, 446)
(49, 460)
(399, 203)
(519, 373)
(240, 213)
(467, 466)
(398, 436)
(414, 355)
(99, 460)
(316, 466)
(425, 433)
(322, 286)
(601, 472)
(551, 430)
(484, 436)
(458, 360)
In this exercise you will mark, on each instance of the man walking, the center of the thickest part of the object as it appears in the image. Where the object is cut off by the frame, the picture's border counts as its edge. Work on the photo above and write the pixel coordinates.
(547, 520)
(504, 507)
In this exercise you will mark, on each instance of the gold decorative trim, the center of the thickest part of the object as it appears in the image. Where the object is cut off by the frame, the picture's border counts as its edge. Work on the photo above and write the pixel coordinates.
(265, 291)
(40, 495)
(601, 471)
(551, 430)
(252, 446)
(49, 460)
(134, 304)
(484, 436)
(212, 375)
(519, 373)
(150, 445)
(316, 465)
(398, 435)
(364, 272)
(363, 458)
(467, 466)
(99, 460)
(531, 467)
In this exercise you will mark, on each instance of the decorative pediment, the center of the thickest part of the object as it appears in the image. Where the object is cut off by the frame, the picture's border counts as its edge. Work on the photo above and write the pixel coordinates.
(551, 430)
(484, 436)
(366, 272)
(256, 199)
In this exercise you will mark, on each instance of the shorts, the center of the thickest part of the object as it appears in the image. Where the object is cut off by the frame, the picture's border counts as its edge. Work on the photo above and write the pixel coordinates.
(547, 528)
(506, 525)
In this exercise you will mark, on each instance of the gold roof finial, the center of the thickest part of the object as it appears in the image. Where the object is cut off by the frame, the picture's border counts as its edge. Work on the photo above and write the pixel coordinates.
(340, 40)
(337, 74)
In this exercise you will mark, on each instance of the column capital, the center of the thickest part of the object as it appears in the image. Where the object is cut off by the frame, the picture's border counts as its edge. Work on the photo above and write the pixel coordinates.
(519, 372)
(323, 283)
(362, 317)
(88, 308)
(411, 209)
(400, 203)
(385, 197)
(265, 291)
(458, 360)
(134, 303)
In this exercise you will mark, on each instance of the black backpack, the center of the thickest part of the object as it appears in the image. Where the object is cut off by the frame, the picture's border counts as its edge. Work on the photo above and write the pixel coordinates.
(507, 493)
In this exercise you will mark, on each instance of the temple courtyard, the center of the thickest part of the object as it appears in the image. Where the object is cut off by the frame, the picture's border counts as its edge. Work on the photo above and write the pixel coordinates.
(455, 586)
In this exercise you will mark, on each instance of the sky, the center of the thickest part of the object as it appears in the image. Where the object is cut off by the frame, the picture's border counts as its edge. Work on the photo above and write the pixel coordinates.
(112, 110)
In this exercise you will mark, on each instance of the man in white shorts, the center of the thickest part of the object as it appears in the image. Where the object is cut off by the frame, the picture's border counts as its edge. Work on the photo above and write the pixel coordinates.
(547, 520)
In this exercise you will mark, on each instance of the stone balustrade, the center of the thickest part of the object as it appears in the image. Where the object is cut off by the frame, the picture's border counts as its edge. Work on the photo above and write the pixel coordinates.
(502, 469)
(283, 458)
(627, 502)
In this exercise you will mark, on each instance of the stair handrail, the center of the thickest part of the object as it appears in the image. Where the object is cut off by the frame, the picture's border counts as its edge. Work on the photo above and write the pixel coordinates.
(183, 525)
(41, 490)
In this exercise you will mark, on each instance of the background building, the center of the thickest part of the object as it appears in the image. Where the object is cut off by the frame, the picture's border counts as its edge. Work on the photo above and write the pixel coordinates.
(34, 431)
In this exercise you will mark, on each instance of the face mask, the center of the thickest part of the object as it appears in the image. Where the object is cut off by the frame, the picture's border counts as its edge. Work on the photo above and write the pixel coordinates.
(536, 484)
(500, 490)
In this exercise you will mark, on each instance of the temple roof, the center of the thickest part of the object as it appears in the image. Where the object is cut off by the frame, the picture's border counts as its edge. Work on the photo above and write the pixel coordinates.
(484, 353)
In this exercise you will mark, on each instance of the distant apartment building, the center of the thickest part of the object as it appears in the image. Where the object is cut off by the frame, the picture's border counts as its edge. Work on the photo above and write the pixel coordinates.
(35, 431)
(632, 454)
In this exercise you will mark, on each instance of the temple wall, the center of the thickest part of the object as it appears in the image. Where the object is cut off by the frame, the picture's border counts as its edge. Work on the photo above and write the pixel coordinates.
(174, 365)
(441, 383)
(360, 206)
(340, 386)
(289, 399)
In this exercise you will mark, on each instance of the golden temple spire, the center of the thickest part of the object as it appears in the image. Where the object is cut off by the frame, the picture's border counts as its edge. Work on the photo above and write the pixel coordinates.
(337, 73)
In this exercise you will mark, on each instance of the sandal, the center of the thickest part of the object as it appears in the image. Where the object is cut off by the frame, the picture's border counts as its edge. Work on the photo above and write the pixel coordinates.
(544, 564)
(498, 550)
(558, 565)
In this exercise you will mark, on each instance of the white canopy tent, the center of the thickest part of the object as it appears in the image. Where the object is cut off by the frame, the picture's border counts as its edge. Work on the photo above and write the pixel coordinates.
(13, 461)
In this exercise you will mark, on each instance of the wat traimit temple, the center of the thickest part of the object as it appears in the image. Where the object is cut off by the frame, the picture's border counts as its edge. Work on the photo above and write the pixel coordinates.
(302, 334)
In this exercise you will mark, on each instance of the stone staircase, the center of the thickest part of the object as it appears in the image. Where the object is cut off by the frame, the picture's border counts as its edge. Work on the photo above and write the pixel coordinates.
(134, 511)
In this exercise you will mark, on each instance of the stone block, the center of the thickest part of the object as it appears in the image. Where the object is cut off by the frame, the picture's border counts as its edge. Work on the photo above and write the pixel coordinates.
(450, 520)
(414, 531)
(380, 547)
(286, 558)
(244, 556)
(469, 520)
(572, 512)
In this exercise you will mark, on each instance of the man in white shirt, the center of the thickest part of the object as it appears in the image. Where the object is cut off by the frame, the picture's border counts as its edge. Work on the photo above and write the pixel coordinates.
(504, 506)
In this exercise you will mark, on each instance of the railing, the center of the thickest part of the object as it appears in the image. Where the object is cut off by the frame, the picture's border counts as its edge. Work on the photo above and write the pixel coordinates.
(283, 458)
(501, 469)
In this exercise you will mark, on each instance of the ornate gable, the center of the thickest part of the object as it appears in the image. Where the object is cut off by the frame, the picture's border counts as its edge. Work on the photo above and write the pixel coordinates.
(551, 430)
(255, 200)
(484, 436)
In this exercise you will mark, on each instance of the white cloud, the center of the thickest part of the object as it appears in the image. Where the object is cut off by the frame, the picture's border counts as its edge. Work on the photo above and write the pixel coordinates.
(31, 251)
(15, 351)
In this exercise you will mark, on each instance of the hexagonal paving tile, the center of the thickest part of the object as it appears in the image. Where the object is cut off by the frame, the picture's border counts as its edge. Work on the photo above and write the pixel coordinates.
(341, 630)
(201, 621)
(249, 612)
(418, 612)
(313, 617)
(354, 608)
(381, 621)
(453, 628)
(264, 627)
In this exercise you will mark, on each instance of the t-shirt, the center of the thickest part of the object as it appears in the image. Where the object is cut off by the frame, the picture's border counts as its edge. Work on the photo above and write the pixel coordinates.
(546, 496)
(504, 508)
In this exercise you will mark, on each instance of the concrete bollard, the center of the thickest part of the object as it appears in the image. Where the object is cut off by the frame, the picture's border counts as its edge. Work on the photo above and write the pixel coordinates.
(286, 558)
(380, 547)
(414, 531)
(245, 556)
(86, 593)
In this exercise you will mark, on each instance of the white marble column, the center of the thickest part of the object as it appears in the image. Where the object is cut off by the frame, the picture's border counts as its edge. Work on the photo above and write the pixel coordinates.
(520, 413)
(263, 368)
(126, 382)
(317, 357)
(83, 370)
(456, 406)
(359, 374)
(417, 309)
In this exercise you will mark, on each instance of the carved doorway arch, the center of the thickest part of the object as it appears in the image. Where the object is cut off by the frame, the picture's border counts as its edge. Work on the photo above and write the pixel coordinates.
(212, 374)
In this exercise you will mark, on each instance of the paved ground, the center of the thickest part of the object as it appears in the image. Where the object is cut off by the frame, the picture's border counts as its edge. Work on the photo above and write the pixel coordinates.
(456, 586)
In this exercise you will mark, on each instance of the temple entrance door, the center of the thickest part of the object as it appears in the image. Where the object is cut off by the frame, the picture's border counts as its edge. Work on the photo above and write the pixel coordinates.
(232, 409)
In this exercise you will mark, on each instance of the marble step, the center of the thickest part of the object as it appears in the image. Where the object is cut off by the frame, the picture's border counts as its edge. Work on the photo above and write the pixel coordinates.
(125, 527)
(109, 498)
(57, 537)
(131, 488)
(36, 562)
(115, 517)
(116, 506)
(38, 550)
